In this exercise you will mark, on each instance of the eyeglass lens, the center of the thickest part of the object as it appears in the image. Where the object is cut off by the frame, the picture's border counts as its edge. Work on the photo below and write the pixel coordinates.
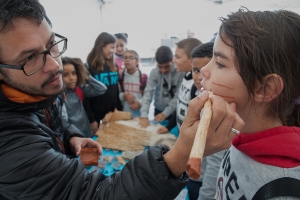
(128, 58)
(39, 60)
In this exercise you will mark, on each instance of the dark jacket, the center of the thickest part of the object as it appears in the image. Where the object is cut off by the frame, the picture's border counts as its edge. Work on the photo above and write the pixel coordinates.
(97, 107)
(32, 165)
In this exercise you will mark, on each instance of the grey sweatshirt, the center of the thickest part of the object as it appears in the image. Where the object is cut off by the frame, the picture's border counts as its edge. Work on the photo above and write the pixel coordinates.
(131, 85)
(240, 177)
(76, 114)
(162, 98)
(209, 172)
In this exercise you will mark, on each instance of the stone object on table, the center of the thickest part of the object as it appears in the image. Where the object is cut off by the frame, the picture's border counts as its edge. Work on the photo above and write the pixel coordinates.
(131, 154)
(121, 160)
(102, 164)
(115, 151)
(116, 166)
(109, 159)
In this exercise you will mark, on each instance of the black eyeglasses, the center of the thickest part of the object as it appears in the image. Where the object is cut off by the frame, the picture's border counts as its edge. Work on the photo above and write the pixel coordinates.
(128, 58)
(35, 62)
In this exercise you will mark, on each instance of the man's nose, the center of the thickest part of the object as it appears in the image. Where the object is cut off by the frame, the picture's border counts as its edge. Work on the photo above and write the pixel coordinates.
(51, 64)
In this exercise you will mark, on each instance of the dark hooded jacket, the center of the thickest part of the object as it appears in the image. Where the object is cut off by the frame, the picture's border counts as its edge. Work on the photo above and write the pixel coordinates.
(33, 162)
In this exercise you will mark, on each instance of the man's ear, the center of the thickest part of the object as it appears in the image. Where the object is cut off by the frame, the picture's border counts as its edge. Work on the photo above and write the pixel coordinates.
(271, 86)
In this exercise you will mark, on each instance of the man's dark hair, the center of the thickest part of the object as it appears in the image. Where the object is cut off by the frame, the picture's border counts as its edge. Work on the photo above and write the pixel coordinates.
(203, 50)
(13, 9)
(163, 55)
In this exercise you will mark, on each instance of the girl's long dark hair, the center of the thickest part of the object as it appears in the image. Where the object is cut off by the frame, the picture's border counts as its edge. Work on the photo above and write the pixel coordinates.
(96, 58)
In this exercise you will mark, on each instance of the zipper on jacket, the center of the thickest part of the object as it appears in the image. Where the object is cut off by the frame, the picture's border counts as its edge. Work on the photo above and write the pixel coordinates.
(60, 144)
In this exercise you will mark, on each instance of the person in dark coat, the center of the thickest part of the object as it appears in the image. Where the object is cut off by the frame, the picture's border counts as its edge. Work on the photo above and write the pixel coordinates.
(35, 141)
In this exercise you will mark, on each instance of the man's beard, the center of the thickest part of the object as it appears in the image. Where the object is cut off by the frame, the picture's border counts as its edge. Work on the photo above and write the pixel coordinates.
(29, 89)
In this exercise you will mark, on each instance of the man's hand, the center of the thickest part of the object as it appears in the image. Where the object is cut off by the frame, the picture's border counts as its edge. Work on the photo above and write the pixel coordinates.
(144, 122)
(162, 130)
(135, 106)
(218, 138)
(160, 117)
(129, 98)
(94, 126)
(76, 143)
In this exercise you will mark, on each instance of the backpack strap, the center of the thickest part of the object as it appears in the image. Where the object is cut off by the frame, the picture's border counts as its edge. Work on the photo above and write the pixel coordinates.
(79, 93)
(121, 80)
(281, 187)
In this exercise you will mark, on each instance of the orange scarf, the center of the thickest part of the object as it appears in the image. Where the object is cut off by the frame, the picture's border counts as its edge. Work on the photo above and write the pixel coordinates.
(18, 96)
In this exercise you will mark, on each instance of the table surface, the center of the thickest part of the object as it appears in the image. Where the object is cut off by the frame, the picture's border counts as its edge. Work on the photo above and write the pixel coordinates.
(114, 166)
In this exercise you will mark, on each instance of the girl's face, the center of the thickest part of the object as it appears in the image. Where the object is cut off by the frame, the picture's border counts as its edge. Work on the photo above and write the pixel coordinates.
(130, 61)
(222, 78)
(120, 47)
(69, 76)
(108, 50)
(197, 64)
(182, 61)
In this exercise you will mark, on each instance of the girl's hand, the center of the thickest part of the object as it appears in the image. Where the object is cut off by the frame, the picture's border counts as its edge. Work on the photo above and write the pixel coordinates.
(160, 117)
(219, 136)
(135, 106)
(162, 130)
(129, 98)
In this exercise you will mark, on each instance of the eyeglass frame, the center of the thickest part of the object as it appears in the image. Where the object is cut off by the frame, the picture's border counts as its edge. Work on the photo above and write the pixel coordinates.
(45, 52)
(129, 58)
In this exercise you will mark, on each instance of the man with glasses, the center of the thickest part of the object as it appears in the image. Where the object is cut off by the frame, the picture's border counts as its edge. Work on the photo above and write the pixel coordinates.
(34, 141)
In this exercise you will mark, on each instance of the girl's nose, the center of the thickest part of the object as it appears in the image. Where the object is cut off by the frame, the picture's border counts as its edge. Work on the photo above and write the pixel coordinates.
(205, 73)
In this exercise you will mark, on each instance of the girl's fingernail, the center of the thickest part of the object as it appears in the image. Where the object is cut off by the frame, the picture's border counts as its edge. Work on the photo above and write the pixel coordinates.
(203, 94)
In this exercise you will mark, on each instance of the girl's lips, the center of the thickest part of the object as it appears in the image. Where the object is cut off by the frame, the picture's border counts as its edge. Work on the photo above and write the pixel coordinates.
(202, 89)
(199, 85)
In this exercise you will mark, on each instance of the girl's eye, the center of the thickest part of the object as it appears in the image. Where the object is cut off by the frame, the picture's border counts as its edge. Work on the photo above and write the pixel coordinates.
(196, 71)
(220, 65)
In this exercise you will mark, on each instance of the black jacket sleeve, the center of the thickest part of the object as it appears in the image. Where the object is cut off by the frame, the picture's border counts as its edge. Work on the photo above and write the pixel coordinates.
(32, 169)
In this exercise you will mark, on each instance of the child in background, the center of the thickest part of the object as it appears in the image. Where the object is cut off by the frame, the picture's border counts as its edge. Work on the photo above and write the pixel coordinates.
(120, 49)
(131, 85)
(164, 80)
(78, 84)
(101, 66)
(183, 62)
(256, 71)
(204, 187)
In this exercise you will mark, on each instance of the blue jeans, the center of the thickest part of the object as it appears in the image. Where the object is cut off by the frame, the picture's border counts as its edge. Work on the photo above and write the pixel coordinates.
(193, 189)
